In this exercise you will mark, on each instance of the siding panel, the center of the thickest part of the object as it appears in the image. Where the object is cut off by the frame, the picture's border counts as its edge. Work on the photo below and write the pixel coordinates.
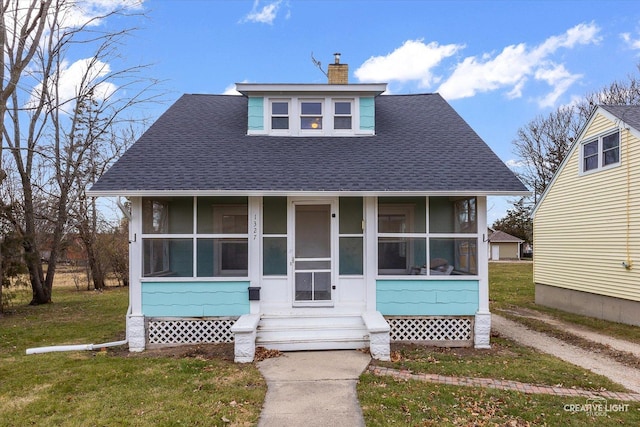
(195, 299)
(427, 297)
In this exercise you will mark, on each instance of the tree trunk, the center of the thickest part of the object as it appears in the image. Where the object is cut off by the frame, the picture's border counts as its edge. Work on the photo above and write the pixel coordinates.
(97, 272)
(41, 294)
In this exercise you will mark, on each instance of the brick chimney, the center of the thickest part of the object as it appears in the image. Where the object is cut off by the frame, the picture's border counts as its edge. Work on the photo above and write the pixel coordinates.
(338, 73)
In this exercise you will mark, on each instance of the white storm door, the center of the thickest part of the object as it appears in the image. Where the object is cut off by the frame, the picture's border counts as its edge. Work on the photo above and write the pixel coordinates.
(312, 261)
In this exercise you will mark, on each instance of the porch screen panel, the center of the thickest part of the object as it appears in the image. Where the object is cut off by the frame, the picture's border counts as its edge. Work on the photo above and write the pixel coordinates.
(167, 225)
(274, 241)
(350, 245)
(167, 215)
(222, 237)
(402, 237)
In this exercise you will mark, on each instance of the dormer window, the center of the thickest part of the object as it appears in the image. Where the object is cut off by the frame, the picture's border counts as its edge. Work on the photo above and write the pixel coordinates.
(280, 114)
(342, 118)
(311, 115)
(311, 110)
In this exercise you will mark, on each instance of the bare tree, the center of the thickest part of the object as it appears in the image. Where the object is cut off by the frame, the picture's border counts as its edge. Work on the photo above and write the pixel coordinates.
(543, 143)
(56, 132)
(22, 26)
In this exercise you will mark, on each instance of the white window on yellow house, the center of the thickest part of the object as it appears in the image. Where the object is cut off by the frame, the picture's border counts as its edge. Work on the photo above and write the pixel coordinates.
(601, 152)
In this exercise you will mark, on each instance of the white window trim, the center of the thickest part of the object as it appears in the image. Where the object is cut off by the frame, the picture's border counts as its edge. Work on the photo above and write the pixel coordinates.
(328, 114)
(352, 115)
(600, 154)
(269, 115)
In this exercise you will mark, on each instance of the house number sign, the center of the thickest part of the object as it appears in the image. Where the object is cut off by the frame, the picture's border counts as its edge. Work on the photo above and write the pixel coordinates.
(254, 227)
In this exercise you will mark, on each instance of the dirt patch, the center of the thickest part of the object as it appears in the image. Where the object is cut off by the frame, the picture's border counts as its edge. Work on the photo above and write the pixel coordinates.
(398, 349)
(220, 351)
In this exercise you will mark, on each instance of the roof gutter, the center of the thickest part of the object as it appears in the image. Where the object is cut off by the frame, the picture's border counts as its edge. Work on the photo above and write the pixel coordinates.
(315, 193)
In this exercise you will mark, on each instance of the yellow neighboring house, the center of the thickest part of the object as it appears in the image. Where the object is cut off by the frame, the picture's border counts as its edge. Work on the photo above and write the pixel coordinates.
(587, 223)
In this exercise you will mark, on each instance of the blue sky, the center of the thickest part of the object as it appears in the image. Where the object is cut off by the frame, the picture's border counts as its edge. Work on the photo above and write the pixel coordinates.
(498, 63)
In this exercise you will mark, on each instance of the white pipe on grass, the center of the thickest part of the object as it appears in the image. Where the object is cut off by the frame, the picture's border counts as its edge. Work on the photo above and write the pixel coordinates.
(80, 347)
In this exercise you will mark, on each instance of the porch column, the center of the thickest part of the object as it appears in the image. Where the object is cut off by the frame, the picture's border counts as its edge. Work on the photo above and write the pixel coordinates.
(370, 253)
(136, 333)
(482, 327)
(255, 249)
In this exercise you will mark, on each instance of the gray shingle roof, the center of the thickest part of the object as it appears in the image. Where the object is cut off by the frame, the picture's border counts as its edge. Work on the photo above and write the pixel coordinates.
(200, 144)
(499, 236)
(629, 114)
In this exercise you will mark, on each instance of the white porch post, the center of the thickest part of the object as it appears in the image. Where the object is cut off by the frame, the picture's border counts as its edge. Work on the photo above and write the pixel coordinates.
(136, 333)
(482, 328)
(370, 252)
(255, 248)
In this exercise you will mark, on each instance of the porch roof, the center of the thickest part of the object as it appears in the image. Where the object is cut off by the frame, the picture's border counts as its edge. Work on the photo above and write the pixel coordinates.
(200, 145)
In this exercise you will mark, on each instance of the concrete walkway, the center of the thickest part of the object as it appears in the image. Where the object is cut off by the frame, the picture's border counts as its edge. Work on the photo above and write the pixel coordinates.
(313, 388)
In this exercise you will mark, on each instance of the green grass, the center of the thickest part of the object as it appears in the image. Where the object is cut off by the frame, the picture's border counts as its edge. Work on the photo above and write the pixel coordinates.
(111, 387)
(388, 401)
(153, 388)
(505, 360)
(511, 286)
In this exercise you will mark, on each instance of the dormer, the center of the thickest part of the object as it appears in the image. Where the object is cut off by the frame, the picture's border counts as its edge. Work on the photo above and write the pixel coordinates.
(334, 109)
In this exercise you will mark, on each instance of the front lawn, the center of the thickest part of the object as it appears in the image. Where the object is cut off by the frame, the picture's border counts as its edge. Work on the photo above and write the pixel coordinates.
(389, 401)
(113, 387)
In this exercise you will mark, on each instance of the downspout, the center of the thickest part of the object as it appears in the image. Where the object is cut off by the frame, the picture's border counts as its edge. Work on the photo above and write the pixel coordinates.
(81, 347)
(628, 264)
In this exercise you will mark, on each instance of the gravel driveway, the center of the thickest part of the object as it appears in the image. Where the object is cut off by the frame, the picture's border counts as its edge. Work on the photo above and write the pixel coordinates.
(598, 363)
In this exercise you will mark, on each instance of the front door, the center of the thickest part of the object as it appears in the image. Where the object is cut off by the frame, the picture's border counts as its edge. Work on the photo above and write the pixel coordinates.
(312, 262)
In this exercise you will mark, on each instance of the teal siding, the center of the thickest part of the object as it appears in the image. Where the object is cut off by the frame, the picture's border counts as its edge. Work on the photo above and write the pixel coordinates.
(367, 113)
(195, 299)
(256, 113)
(427, 297)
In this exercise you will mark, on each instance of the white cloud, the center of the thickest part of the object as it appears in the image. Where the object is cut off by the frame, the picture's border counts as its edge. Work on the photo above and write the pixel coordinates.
(86, 72)
(559, 79)
(512, 68)
(515, 164)
(265, 14)
(86, 11)
(632, 43)
(231, 90)
(413, 61)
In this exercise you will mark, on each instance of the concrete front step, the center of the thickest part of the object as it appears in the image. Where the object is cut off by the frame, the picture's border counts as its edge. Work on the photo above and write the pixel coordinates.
(312, 333)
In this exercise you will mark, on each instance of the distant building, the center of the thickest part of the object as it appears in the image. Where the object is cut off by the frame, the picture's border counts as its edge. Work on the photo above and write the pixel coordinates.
(587, 222)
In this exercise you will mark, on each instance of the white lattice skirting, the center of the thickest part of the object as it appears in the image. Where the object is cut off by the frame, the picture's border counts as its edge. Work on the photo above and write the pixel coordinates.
(444, 331)
(187, 331)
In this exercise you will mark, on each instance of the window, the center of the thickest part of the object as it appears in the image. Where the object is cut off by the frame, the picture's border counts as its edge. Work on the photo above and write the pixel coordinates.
(601, 152)
(280, 115)
(311, 115)
(342, 115)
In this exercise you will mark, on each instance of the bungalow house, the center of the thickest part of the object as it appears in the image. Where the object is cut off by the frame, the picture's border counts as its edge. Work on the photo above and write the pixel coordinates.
(587, 222)
(309, 216)
(504, 246)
